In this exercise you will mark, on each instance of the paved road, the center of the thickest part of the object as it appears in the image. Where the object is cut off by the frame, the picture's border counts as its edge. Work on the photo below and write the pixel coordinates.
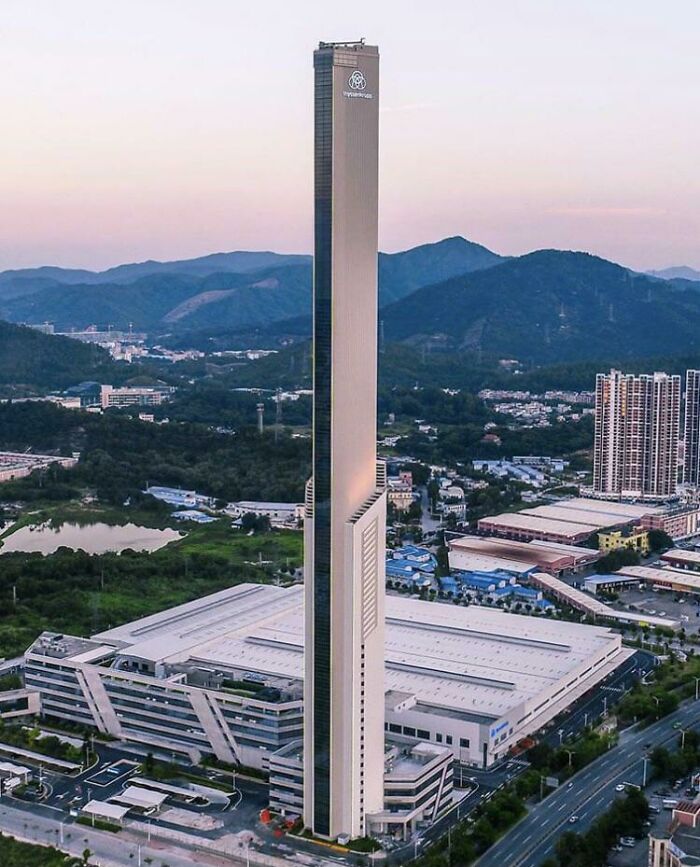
(109, 850)
(593, 704)
(533, 839)
(428, 524)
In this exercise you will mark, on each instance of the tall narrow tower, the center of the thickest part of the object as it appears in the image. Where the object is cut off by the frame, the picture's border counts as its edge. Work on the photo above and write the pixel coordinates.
(346, 502)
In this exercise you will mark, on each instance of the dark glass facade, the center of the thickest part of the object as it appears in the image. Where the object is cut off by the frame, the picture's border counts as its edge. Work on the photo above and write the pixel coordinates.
(323, 210)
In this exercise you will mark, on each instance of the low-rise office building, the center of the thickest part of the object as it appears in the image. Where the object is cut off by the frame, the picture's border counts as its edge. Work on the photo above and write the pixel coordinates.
(417, 786)
(222, 675)
(636, 539)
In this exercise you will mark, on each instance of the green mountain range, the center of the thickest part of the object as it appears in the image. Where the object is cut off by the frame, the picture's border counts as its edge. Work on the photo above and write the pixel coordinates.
(236, 290)
(550, 306)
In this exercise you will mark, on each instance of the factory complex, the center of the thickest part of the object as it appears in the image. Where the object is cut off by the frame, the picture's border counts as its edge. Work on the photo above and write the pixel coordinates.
(223, 676)
(573, 521)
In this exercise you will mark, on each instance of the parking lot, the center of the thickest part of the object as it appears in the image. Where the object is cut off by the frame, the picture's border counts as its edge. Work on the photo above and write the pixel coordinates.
(663, 603)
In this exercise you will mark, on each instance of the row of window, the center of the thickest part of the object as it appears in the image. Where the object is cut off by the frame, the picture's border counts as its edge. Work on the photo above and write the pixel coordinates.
(424, 735)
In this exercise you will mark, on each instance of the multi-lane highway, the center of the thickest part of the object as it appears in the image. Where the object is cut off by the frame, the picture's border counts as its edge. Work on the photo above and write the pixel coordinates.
(533, 839)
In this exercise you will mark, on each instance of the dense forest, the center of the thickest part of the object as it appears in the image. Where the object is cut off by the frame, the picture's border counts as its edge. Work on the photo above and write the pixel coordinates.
(30, 360)
(121, 455)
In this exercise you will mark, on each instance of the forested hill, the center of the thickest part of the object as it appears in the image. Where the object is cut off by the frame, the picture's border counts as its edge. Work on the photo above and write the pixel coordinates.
(551, 306)
(32, 360)
(235, 290)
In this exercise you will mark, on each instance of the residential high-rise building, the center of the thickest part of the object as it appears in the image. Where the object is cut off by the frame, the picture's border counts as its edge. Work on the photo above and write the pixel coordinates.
(637, 422)
(691, 434)
(344, 537)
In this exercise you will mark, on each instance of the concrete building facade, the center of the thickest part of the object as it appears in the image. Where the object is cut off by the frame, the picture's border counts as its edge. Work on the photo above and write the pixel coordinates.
(691, 429)
(345, 517)
(637, 424)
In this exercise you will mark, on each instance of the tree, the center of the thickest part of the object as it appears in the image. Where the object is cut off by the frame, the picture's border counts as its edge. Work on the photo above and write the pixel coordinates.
(659, 540)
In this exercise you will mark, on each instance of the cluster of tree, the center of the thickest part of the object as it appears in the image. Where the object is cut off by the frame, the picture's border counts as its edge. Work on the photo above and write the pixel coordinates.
(468, 841)
(121, 455)
(31, 361)
(47, 745)
(673, 680)
(212, 402)
(16, 854)
(461, 443)
(615, 560)
(625, 818)
(674, 765)
(74, 592)
(546, 760)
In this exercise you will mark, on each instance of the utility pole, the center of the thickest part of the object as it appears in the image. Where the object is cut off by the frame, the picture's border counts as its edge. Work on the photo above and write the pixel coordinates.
(645, 760)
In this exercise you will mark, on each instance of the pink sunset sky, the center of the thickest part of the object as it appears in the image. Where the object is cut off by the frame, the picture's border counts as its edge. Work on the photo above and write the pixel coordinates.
(173, 128)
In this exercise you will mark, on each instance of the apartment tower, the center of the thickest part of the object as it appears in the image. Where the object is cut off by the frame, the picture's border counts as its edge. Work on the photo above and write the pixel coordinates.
(691, 435)
(344, 533)
(637, 422)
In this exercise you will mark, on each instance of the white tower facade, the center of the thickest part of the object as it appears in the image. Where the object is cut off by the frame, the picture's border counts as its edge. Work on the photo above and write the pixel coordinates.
(344, 537)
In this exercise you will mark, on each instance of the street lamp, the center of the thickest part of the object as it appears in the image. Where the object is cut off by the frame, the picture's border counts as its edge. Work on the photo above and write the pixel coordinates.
(697, 685)
(645, 760)
(570, 752)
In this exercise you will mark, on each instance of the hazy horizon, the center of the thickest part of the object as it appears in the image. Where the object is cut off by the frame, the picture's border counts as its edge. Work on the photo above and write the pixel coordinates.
(168, 131)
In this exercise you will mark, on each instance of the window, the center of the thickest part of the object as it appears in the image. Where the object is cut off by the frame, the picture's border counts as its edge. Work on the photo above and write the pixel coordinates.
(449, 740)
(395, 728)
(425, 735)
(411, 732)
(464, 742)
(438, 737)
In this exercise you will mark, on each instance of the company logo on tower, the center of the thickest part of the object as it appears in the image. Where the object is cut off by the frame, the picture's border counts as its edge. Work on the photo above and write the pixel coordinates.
(357, 81)
(357, 84)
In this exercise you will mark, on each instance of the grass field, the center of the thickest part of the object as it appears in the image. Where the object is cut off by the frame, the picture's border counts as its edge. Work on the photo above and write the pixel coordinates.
(77, 593)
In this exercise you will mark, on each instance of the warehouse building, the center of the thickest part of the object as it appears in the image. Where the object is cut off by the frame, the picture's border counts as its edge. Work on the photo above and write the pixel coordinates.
(581, 601)
(517, 558)
(680, 558)
(569, 521)
(677, 580)
(222, 675)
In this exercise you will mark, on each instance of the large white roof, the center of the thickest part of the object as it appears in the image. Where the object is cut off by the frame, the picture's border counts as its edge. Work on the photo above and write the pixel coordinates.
(475, 660)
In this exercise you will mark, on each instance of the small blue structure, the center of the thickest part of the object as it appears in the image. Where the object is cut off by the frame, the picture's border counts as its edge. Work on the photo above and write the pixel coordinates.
(193, 515)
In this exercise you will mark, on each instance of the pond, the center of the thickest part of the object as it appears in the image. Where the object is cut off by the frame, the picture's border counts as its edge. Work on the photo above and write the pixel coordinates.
(91, 538)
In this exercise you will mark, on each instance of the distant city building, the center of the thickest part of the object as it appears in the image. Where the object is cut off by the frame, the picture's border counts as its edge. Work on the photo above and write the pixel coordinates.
(133, 396)
(17, 465)
(636, 434)
(179, 497)
(400, 491)
(96, 395)
(281, 513)
(691, 433)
